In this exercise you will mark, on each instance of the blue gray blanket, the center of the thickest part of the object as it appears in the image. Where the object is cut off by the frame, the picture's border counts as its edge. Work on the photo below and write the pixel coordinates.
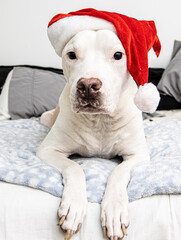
(19, 140)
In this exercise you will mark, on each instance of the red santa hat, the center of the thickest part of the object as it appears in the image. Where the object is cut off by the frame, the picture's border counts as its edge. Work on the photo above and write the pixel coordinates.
(137, 38)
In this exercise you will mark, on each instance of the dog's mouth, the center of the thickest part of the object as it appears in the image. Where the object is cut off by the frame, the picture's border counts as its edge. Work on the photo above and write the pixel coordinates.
(88, 106)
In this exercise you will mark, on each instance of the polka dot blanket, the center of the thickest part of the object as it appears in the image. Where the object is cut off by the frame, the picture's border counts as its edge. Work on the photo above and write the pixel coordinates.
(19, 140)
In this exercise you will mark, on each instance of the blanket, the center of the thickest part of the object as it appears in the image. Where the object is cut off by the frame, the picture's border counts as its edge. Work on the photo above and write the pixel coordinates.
(19, 140)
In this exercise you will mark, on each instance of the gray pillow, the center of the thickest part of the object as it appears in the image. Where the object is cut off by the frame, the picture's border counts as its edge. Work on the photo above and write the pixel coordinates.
(33, 91)
(170, 83)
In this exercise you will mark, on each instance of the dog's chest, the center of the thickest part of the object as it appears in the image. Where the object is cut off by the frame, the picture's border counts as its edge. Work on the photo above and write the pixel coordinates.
(100, 138)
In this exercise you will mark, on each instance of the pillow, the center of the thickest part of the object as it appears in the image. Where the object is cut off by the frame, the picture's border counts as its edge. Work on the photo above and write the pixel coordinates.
(33, 91)
(154, 75)
(176, 48)
(166, 102)
(4, 70)
(4, 110)
(170, 83)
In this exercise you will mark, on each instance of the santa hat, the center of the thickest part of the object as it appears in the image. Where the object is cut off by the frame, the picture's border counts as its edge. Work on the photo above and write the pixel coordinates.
(137, 37)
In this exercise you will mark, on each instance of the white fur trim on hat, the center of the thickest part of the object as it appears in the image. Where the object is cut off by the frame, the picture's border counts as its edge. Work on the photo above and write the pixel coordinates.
(63, 30)
(147, 98)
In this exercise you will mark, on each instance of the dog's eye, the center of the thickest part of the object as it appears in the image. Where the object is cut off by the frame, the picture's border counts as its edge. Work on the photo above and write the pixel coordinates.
(118, 55)
(72, 55)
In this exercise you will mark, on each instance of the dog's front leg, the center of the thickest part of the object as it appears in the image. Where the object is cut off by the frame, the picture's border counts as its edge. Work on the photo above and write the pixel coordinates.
(72, 208)
(114, 207)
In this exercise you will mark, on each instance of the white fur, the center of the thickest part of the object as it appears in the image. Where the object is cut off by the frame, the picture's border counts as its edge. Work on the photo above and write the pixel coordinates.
(47, 118)
(116, 130)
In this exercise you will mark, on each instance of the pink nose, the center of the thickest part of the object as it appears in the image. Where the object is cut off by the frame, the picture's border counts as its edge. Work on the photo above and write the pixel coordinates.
(88, 86)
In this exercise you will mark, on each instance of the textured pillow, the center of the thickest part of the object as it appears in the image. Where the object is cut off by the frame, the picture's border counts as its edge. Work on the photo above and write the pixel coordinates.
(33, 91)
(170, 83)
(4, 71)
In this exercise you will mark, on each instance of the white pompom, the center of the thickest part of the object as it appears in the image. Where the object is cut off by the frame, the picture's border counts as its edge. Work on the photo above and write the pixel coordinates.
(147, 98)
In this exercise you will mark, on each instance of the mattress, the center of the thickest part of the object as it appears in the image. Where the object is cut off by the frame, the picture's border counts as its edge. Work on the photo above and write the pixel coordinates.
(30, 214)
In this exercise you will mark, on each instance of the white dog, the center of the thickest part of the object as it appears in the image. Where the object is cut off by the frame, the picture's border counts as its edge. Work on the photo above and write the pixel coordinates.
(97, 117)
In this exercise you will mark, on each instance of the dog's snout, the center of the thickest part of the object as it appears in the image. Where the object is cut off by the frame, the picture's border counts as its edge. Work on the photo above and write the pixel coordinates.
(89, 85)
(89, 94)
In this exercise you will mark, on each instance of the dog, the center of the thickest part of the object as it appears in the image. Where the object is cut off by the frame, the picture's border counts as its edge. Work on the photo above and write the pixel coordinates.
(96, 116)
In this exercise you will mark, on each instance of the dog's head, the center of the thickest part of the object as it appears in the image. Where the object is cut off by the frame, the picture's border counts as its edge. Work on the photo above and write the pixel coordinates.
(95, 66)
(94, 60)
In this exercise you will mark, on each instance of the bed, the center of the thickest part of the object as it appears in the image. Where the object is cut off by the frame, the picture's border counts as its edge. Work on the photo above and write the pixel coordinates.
(31, 190)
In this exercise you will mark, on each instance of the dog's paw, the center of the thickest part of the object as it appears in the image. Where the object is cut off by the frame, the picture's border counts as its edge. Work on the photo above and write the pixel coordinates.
(114, 217)
(71, 213)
